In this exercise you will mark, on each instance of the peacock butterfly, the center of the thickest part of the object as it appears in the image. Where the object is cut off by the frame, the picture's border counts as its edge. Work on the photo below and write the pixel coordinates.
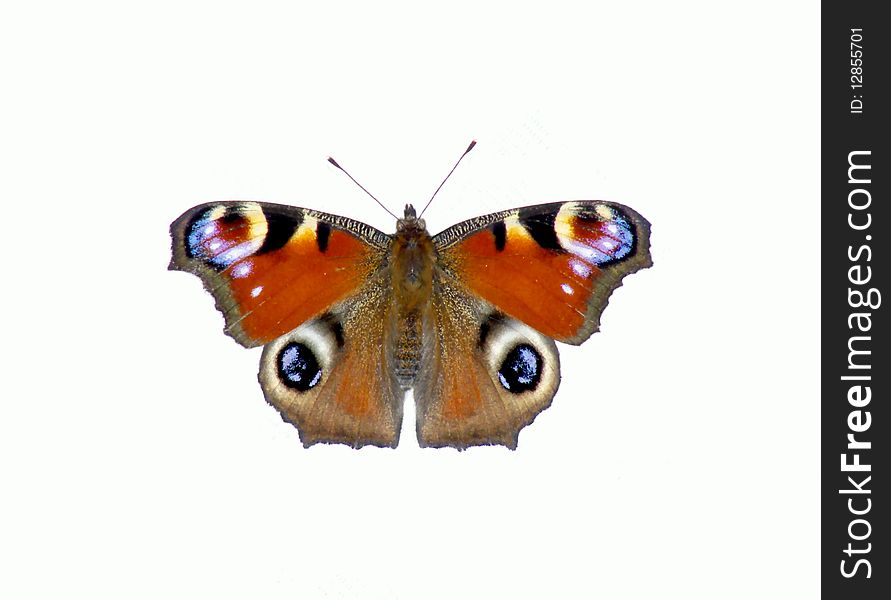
(350, 317)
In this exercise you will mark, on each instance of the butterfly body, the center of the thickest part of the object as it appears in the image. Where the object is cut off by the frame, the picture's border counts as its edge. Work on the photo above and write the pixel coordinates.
(351, 318)
(412, 259)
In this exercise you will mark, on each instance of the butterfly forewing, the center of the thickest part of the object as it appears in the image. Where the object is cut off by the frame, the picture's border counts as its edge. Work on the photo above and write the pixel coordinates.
(551, 266)
(272, 267)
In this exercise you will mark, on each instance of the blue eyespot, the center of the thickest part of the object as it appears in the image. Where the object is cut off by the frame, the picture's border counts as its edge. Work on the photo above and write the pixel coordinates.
(298, 367)
(521, 369)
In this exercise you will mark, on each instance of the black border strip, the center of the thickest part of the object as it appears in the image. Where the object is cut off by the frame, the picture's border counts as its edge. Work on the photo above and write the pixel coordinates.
(856, 368)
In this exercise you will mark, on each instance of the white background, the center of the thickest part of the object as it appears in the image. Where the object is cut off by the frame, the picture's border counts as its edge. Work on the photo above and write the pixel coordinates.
(679, 460)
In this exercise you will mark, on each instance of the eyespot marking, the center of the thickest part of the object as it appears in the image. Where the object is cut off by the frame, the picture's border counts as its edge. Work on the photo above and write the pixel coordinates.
(202, 227)
(298, 367)
(521, 370)
(223, 235)
(600, 236)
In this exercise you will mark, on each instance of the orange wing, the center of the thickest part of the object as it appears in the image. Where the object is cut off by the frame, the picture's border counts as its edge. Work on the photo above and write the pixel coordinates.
(552, 266)
(272, 267)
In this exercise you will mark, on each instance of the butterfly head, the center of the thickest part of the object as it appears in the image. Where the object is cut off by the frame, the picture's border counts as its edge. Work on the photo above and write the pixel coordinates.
(410, 222)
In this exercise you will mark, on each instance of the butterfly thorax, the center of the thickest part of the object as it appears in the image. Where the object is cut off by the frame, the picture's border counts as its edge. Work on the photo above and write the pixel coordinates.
(412, 261)
(411, 266)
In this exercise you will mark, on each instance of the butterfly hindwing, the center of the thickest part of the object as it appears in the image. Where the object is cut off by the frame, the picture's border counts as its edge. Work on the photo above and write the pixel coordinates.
(483, 377)
(332, 377)
(551, 266)
(272, 267)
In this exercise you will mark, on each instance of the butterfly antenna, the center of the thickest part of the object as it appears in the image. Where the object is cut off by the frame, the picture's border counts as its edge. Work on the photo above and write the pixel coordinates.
(334, 162)
(469, 148)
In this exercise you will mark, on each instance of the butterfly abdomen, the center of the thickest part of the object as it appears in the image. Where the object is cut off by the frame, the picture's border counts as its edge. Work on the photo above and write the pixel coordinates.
(407, 352)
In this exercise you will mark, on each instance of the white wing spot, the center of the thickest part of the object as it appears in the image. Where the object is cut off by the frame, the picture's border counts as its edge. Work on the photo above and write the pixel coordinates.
(580, 268)
(243, 269)
(567, 289)
(256, 291)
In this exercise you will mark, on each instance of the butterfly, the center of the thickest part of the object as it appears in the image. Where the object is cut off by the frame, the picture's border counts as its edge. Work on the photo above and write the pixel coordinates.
(350, 318)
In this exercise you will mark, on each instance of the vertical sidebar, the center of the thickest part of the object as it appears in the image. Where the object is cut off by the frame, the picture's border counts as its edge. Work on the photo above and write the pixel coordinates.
(856, 367)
